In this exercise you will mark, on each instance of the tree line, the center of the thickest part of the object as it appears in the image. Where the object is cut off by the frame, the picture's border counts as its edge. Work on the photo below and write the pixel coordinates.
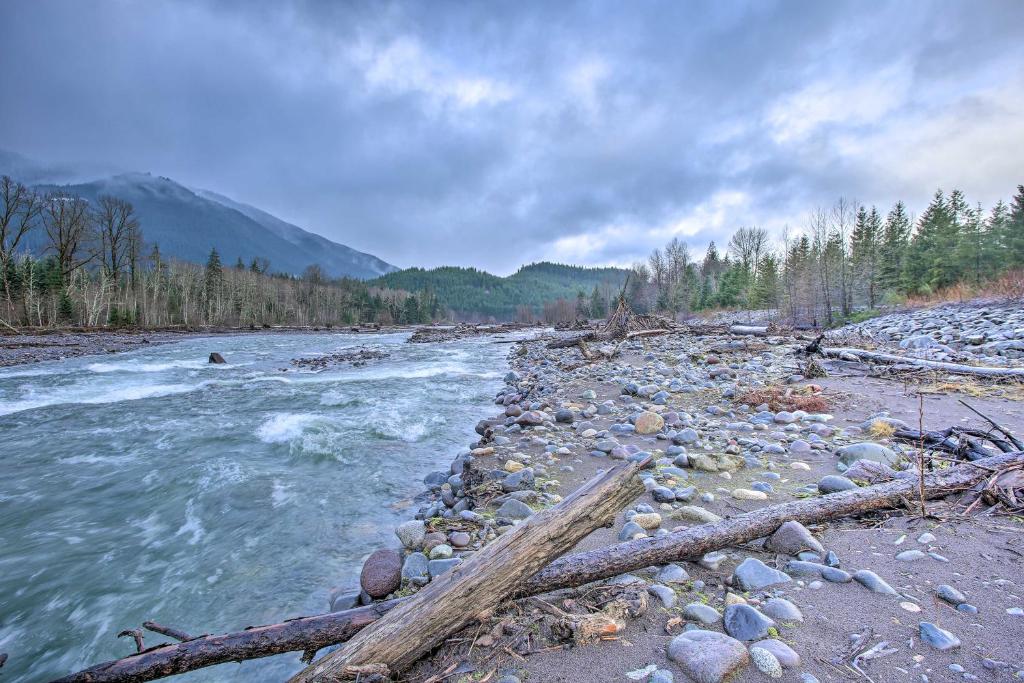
(849, 258)
(94, 268)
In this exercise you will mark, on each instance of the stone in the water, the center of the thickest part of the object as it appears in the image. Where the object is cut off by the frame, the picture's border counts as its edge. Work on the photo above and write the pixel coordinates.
(707, 656)
(873, 582)
(783, 610)
(950, 594)
(939, 638)
(766, 662)
(793, 537)
(743, 622)
(514, 509)
(649, 423)
(412, 533)
(382, 573)
(784, 653)
(753, 574)
(835, 483)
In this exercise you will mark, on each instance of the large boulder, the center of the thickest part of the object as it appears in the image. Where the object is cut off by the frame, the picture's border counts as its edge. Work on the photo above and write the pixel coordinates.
(382, 573)
(708, 656)
(867, 451)
(217, 359)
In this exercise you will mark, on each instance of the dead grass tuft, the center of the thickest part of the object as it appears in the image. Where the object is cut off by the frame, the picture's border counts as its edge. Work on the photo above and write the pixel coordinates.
(880, 429)
(778, 397)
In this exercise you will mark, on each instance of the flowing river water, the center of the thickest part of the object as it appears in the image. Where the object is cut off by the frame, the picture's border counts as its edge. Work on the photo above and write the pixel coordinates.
(153, 485)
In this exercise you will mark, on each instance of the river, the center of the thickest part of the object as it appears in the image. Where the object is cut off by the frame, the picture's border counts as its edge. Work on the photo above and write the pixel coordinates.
(154, 485)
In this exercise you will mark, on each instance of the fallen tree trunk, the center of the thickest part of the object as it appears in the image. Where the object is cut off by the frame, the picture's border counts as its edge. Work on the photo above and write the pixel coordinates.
(955, 368)
(694, 542)
(460, 596)
(312, 633)
(752, 330)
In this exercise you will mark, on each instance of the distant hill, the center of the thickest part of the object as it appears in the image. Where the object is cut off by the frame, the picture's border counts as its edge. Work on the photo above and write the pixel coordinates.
(188, 223)
(474, 293)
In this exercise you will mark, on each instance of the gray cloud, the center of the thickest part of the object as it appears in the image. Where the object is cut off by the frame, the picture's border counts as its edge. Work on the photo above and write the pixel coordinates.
(492, 134)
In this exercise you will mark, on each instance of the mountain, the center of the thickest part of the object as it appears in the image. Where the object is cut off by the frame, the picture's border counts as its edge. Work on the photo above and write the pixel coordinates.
(473, 293)
(187, 223)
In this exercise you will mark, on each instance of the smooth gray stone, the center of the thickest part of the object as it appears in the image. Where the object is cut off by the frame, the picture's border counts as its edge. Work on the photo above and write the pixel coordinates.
(873, 582)
(708, 656)
(743, 622)
(753, 574)
(415, 569)
(704, 614)
(793, 537)
(938, 638)
(783, 610)
(438, 567)
(629, 530)
(950, 594)
(787, 657)
(834, 483)
(663, 593)
(672, 573)
(514, 509)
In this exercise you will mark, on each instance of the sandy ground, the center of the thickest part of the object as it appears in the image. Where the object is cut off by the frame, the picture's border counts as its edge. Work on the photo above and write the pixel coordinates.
(986, 562)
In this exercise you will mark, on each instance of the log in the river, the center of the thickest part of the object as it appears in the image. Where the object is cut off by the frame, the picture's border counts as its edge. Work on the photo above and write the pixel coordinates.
(752, 330)
(460, 596)
(312, 633)
(954, 368)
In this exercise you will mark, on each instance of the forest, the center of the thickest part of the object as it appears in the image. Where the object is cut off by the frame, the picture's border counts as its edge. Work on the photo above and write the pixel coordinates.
(848, 261)
(98, 270)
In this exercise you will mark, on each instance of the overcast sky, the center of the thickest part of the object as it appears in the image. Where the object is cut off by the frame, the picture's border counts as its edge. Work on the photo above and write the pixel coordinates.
(498, 133)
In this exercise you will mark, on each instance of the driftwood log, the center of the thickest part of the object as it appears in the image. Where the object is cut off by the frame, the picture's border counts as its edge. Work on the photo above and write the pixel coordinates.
(751, 330)
(954, 368)
(460, 596)
(312, 633)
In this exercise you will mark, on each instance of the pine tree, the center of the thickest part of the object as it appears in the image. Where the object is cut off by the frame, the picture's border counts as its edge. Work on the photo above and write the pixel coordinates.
(865, 246)
(212, 283)
(971, 247)
(931, 262)
(893, 247)
(767, 289)
(1013, 231)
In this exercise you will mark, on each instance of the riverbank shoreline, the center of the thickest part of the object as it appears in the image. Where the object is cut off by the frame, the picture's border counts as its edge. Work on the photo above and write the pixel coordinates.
(560, 422)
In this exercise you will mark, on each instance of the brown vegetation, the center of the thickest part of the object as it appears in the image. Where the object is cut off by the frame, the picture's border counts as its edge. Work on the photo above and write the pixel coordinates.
(778, 397)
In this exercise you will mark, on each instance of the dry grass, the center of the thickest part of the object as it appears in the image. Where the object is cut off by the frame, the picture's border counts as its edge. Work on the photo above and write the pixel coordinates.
(1012, 391)
(1008, 286)
(881, 429)
(778, 397)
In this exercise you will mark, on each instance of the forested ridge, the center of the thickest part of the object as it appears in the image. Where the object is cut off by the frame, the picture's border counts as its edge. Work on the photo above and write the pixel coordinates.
(99, 270)
(475, 294)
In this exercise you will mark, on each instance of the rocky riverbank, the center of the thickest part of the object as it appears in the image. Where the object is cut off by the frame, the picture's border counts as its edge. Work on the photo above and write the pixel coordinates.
(733, 426)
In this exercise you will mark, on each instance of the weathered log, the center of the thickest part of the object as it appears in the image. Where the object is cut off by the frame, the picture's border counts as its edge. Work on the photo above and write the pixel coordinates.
(694, 542)
(571, 341)
(312, 633)
(463, 594)
(955, 368)
(752, 330)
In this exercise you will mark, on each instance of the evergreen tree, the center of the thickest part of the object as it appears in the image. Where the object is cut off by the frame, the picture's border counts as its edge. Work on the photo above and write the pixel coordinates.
(931, 262)
(598, 309)
(865, 247)
(971, 246)
(893, 248)
(767, 289)
(1013, 231)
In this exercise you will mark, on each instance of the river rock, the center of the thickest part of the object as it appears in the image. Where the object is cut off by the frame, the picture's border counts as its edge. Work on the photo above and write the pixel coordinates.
(782, 610)
(701, 613)
(647, 521)
(438, 567)
(414, 569)
(765, 662)
(793, 537)
(672, 573)
(939, 638)
(707, 656)
(531, 418)
(951, 595)
(867, 450)
(217, 359)
(412, 533)
(514, 509)
(834, 483)
(649, 423)
(784, 653)
(743, 622)
(382, 573)
(666, 595)
(753, 574)
(873, 582)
